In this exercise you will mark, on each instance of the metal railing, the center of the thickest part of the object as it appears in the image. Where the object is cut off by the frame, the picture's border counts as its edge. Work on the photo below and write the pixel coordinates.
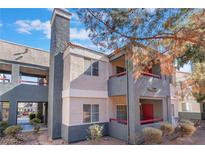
(143, 73)
(4, 79)
(43, 83)
(142, 122)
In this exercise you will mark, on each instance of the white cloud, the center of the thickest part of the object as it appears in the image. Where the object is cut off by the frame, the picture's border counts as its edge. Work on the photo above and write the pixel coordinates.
(74, 16)
(28, 26)
(81, 34)
(50, 9)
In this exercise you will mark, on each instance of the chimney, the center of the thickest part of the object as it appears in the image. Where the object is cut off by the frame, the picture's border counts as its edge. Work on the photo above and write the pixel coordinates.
(60, 23)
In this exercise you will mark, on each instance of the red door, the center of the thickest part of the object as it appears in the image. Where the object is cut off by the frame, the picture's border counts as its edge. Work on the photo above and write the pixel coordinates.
(147, 110)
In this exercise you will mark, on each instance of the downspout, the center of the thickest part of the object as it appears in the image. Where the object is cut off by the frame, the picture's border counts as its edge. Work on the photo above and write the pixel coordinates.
(127, 89)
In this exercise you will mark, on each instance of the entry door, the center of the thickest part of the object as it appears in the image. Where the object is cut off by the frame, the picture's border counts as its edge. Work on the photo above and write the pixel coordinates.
(148, 112)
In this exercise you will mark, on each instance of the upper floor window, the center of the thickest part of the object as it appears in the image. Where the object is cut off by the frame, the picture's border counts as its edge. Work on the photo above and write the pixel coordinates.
(120, 69)
(91, 67)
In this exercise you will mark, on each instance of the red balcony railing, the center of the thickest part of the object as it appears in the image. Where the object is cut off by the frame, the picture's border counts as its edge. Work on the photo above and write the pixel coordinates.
(142, 122)
(151, 75)
(143, 73)
(117, 75)
(4, 79)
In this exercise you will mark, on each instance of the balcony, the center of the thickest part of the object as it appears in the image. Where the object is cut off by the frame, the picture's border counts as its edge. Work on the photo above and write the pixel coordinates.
(117, 83)
(23, 83)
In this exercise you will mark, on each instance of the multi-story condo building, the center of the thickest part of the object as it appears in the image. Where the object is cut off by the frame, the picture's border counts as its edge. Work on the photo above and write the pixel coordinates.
(23, 75)
(188, 107)
(85, 87)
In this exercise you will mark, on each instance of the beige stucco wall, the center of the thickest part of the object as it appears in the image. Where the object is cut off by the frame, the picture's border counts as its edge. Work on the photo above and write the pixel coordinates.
(191, 102)
(119, 62)
(80, 81)
(17, 53)
(79, 89)
(76, 109)
(113, 102)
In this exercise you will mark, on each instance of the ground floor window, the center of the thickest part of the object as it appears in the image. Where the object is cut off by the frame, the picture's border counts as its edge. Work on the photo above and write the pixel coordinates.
(4, 111)
(186, 107)
(121, 112)
(90, 113)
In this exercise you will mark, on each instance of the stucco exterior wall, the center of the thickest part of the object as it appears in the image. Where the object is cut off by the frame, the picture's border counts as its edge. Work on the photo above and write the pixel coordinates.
(19, 53)
(76, 109)
(113, 102)
(86, 82)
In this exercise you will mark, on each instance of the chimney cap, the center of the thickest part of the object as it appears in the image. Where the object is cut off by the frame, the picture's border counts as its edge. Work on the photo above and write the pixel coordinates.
(61, 12)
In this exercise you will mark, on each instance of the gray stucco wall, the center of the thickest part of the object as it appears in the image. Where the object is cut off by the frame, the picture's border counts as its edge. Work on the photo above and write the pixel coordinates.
(15, 92)
(59, 38)
(117, 86)
(119, 131)
(80, 132)
(192, 115)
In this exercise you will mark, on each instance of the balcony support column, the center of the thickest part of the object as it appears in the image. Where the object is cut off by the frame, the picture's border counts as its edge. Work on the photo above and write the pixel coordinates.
(13, 105)
(15, 73)
(133, 109)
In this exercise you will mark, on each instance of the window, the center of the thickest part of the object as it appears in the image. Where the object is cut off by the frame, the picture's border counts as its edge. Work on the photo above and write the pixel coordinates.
(91, 67)
(87, 66)
(90, 113)
(4, 111)
(186, 107)
(120, 69)
(121, 112)
(95, 68)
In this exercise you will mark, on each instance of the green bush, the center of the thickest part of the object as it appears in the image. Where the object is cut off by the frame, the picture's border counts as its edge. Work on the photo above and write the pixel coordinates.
(32, 116)
(36, 123)
(13, 130)
(95, 132)
(3, 126)
(152, 135)
(166, 128)
(39, 115)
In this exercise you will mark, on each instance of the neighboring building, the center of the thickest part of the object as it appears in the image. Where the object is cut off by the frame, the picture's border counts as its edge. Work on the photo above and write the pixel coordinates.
(85, 87)
(21, 67)
(27, 108)
(188, 107)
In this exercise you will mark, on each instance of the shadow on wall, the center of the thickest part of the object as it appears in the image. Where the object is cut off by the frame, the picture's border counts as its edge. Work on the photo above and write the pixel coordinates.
(23, 92)
(88, 74)
(19, 56)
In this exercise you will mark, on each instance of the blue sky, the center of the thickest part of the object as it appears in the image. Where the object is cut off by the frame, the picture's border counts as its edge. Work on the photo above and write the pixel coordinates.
(32, 27)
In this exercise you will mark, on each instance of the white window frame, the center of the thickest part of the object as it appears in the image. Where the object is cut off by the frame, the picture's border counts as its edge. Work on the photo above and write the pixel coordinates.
(92, 61)
(91, 114)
